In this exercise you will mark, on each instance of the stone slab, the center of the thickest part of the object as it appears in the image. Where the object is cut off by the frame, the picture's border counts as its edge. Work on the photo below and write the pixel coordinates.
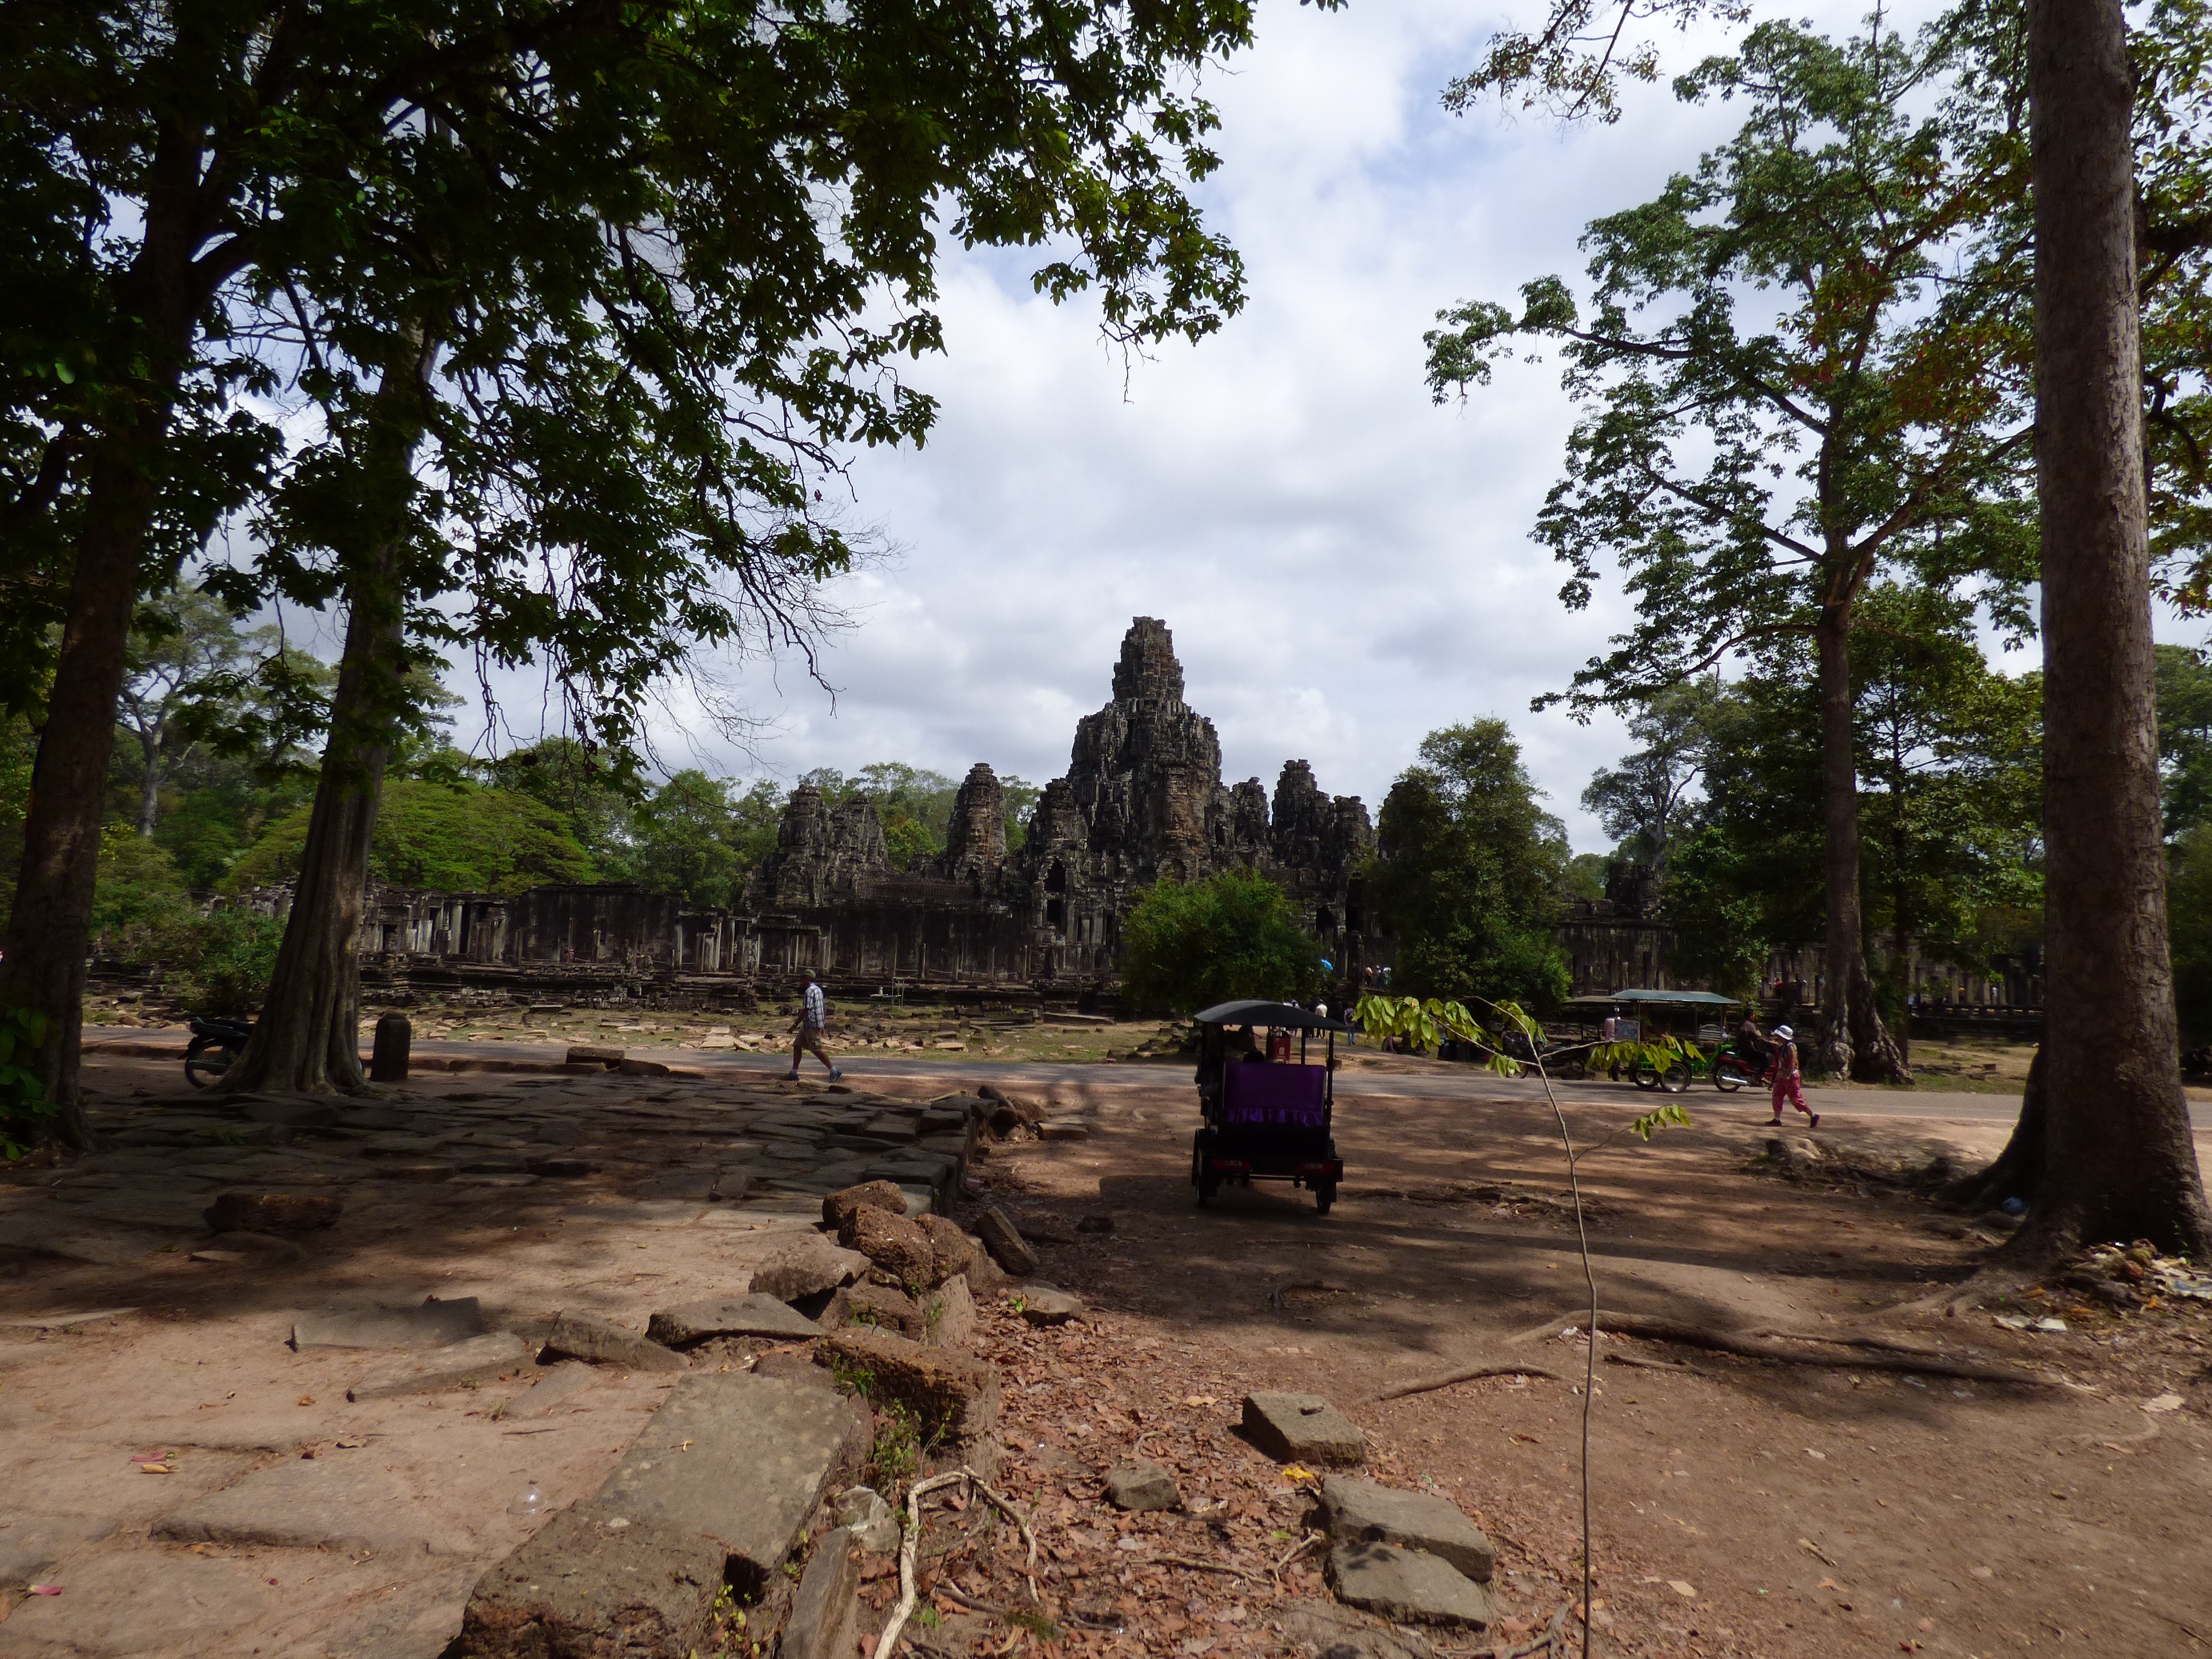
(1302, 1428)
(752, 1315)
(434, 1324)
(586, 1336)
(721, 1479)
(1005, 1243)
(1357, 1510)
(29, 1544)
(1406, 1586)
(127, 1604)
(553, 1387)
(480, 1360)
(340, 1501)
(1048, 1304)
(824, 1621)
(1141, 1485)
(871, 1522)
(808, 1265)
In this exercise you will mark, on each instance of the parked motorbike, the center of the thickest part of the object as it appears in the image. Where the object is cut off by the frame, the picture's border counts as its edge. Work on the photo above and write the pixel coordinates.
(215, 1044)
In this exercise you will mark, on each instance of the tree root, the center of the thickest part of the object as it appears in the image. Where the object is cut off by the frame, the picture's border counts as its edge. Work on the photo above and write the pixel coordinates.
(1871, 1353)
(1465, 1374)
(909, 1595)
(1752, 1347)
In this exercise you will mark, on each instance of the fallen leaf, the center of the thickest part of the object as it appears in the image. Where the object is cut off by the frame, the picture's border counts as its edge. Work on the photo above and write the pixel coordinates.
(306, 1400)
(351, 1442)
(155, 1468)
(1200, 1400)
(1681, 1588)
(46, 1589)
(2163, 1402)
(1830, 1584)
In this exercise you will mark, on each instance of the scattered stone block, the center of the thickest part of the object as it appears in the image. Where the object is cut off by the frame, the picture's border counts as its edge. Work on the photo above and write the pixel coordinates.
(479, 1360)
(868, 1195)
(340, 1501)
(1406, 1586)
(555, 1387)
(1142, 1485)
(824, 1620)
(718, 1484)
(1063, 1129)
(1005, 1243)
(950, 1319)
(1302, 1428)
(873, 1523)
(753, 1314)
(644, 1068)
(807, 1265)
(884, 1307)
(947, 1390)
(433, 1325)
(952, 1251)
(586, 1336)
(604, 1055)
(1357, 1510)
(896, 1246)
(273, 1212)
(1048, 1304)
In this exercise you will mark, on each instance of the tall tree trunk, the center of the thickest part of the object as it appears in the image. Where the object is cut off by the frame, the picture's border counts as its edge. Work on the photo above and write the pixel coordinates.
(2120, 1163)
(2018, 1171)
(307, 1037)
(49, 931)
(1853, 1042)
(149, 786)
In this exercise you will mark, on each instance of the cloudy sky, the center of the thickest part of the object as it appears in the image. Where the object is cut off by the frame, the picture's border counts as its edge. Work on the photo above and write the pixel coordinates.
(1345, 565)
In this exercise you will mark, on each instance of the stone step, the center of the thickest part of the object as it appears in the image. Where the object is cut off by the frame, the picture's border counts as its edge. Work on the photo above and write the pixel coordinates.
(718, 1484)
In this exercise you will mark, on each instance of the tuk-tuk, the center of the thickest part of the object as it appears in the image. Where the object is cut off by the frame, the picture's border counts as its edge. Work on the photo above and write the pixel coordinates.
(1267, 1115)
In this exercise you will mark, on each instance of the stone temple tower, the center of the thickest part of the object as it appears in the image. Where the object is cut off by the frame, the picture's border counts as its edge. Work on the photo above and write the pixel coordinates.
(1146, 767)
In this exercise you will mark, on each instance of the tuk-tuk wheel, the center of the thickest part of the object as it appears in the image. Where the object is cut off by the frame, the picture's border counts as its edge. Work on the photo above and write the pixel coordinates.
(1324, 1195)
(1209, 1184)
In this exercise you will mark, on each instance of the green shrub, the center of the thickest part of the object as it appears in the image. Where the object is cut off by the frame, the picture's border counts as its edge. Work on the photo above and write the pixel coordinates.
(233, 955)
(1190, 944)
(23, 1100)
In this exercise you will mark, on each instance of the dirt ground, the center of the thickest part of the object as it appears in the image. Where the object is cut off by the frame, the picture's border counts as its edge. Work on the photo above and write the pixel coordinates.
(1741, 1508)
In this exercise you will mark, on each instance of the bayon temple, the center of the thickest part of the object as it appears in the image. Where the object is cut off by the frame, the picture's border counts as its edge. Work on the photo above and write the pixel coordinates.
(1143, 798)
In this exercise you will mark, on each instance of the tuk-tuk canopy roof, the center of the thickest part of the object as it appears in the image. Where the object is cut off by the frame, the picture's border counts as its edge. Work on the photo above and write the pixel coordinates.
(1689, 999)
(1281, 1016)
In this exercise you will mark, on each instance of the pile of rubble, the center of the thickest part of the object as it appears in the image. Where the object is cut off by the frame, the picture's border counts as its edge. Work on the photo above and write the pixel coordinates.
(764, 1500)
(2135, 1276)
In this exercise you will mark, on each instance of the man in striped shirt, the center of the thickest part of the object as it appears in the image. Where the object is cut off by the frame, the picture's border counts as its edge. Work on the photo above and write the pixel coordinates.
(812, 1022)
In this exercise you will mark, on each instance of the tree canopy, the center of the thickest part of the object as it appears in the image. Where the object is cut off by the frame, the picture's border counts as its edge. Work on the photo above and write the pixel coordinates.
(1468, 872)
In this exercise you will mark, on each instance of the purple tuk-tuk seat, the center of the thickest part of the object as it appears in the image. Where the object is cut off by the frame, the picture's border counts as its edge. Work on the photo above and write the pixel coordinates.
(1291, 1096)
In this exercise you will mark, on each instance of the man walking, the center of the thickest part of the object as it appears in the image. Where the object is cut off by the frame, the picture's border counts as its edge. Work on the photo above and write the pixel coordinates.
(1789, 1084)
(812, 1022)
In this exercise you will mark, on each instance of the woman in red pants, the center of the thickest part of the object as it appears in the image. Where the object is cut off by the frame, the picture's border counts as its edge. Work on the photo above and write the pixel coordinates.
(1787, 1084)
